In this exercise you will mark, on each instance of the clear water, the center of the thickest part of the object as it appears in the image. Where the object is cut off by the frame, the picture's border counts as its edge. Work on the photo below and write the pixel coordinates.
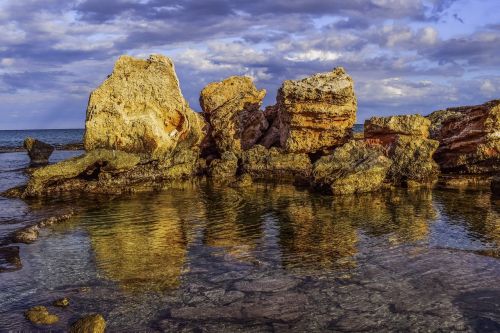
(260, 259)
(57, 137)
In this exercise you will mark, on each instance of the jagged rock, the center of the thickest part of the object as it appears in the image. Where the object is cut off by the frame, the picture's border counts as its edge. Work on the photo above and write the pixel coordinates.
(89, 324)
(38, 151)
(275, 165)
(412, 161)
(39, 315)
(386, 129)
(140, 109)
(316, 113)
(469, 138)
(406, 141)
(86, 167)
(354, 167)
(225, 167)
(232, 109)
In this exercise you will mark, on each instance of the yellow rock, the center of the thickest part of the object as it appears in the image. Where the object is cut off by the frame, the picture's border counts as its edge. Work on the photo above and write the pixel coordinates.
(89, 324)
(40, 315)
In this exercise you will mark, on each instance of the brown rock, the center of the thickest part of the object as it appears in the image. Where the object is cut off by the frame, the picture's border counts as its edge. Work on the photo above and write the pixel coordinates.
(89, 324)
(38, 151)
(140, 109)
(469, 138)
(316, 113)
(232, 109)
(272, 136)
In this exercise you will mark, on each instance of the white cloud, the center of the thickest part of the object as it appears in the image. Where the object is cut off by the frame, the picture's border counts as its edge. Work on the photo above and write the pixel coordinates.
(313, 55)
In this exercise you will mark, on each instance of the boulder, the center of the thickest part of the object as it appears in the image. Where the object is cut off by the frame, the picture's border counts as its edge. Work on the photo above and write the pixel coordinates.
(39, 315)
(316, 113)
(38, 151)
(355, 167)
(140, 109)
(86, 166)
(225, 167)
(469, 138)
(275, 165)
(405, 139)
(89, 324)
(231, 107)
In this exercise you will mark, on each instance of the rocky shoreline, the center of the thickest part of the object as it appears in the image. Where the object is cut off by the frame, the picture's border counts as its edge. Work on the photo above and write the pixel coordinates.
(140, 134)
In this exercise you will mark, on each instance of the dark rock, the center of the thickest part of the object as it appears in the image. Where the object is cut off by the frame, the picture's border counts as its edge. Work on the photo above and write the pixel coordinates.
(9, 259)
(38, 151)
(495, 186)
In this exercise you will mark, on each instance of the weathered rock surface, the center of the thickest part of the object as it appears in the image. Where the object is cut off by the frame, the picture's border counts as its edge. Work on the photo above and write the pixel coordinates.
(352, 168)
(276, 165)
(316, 113)
(89, 324)
(140, 109)
(272, 136)
(469, 138)
(62, 302)
(225, 167)
(38, 151)
(406, 141)
(39, 315)
(232, 109)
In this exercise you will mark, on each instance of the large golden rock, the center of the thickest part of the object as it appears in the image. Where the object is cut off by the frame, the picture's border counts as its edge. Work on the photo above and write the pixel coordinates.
(469, 138)
(231, 107)
(316, 113)
(140, 109)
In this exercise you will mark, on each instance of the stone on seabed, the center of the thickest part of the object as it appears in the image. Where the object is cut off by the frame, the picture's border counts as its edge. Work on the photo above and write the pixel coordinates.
(89, 324)
(40, 315)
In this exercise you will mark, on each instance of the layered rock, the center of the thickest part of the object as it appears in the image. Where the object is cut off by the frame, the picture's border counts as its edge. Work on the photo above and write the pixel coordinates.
(407, 143)
(232, 109)
(316, 113)
(276, 165)
(38, 151)
(140, 109)
(355, 167)
(469, 138)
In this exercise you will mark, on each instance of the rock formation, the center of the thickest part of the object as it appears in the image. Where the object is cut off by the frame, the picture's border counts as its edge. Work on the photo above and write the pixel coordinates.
(354, 167)
(38, 151)
(225, 167)
(232, 109)
(469, 138)
(316, 113)
(406, 141)
(140, 109)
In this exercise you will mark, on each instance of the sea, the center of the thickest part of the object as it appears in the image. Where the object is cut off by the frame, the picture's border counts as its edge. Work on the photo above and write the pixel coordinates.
(264, 258)
(13, 139)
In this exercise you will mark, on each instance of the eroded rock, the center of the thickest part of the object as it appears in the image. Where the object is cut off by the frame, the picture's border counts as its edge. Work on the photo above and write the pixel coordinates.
(316, 113)
(225, 167)
(386, 129)
(232, 109)
(94, 323)
(38, 151)
(352, 168)
(140, 109)
(469, 138)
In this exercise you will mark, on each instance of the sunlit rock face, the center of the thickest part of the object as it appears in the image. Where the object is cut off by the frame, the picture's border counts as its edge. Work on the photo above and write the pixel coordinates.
(316, 113)
(352, 168)
(140, 109)
(469, 138)
(407, 143)
(232, 109)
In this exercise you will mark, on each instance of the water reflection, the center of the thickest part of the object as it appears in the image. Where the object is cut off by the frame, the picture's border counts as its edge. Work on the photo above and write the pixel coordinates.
(149, 241)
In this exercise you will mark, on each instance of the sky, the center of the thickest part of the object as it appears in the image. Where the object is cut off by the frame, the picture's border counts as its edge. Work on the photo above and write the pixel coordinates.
(405, 56)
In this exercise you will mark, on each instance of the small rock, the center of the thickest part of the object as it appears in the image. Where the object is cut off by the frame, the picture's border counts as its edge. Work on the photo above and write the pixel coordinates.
(62, 303)
(38, 151)
(40, 315)
(27, 235)
(89, 324)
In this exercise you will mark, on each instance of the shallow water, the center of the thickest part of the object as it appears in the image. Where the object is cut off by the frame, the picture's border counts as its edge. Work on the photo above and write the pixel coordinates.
(265, 258)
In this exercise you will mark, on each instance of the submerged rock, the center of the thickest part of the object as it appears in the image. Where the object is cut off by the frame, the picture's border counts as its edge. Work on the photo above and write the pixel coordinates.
(406, 141)
(39, 315)
(316, 113)
(38, 151)
(9, 259)
(30, 234)
(276, 165)
(469, 138)
(352, 168)
(62, 303)
(140, 109)
(89, 324)
(232, 109)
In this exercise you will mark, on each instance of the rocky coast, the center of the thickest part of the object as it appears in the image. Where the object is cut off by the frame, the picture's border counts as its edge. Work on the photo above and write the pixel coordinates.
(141, 134)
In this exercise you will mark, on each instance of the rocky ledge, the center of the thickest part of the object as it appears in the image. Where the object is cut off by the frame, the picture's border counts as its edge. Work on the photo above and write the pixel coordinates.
(140, 133)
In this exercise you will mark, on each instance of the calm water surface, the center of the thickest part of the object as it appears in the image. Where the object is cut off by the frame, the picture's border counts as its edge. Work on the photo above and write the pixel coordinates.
(260, 259)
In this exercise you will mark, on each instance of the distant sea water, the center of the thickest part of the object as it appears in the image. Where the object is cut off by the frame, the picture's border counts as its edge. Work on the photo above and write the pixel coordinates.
(13, 139)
